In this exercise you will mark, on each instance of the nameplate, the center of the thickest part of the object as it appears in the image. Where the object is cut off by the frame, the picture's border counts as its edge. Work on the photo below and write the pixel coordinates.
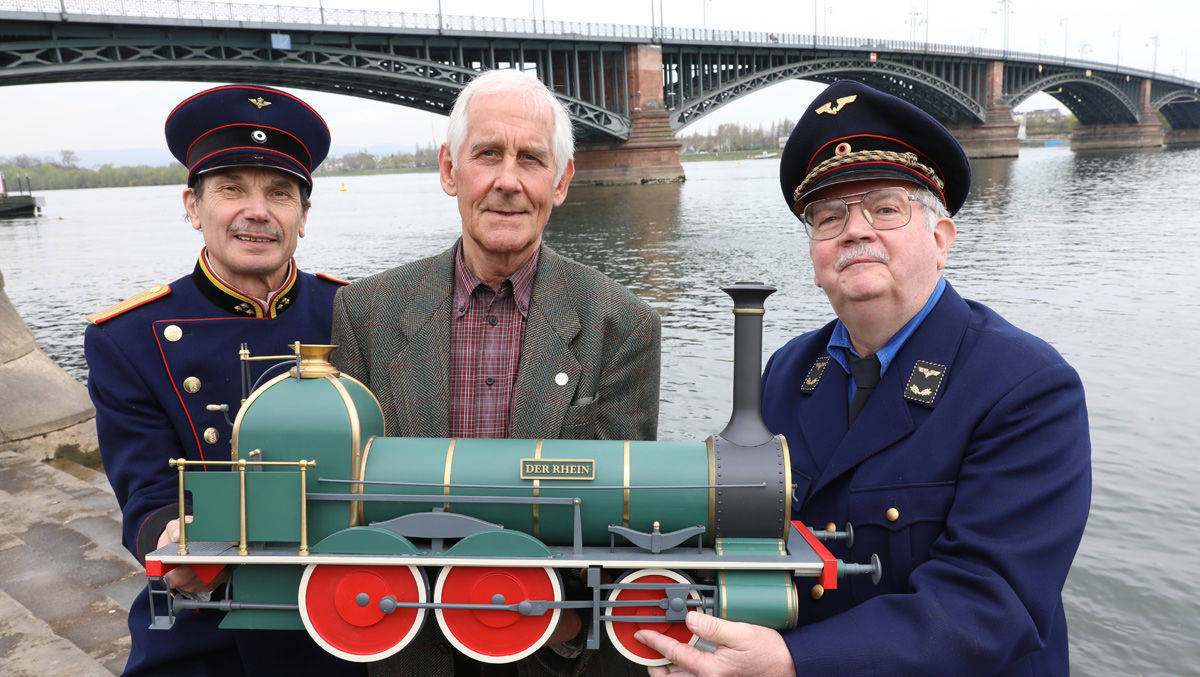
(558, 469)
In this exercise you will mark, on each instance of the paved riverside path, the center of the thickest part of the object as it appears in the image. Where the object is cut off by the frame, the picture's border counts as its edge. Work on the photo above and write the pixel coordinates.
(65, 580)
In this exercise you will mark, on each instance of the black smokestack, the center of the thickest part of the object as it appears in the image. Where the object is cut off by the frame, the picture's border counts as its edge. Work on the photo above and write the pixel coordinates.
(746, 426)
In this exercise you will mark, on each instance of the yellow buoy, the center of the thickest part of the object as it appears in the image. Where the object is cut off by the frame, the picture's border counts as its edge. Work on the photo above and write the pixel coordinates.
(343, 189)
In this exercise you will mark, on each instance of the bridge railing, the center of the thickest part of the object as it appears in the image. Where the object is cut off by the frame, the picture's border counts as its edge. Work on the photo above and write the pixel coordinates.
(377, 20)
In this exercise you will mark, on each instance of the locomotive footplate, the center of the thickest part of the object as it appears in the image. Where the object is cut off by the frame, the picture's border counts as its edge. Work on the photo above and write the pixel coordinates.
(803, 556)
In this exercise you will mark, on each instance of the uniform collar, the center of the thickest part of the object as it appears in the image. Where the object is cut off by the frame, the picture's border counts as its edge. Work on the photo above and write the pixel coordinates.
(239, 303)
(841, 337)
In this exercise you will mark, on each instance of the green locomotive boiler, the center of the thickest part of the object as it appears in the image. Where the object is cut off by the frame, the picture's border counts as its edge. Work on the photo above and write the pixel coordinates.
(327, 524)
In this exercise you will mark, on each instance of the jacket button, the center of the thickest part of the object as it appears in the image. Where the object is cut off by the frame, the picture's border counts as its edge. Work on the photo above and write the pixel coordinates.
(831, 527)
(211, 435)
(892, 514)
(172, 333)
(818, 591)
(191, 384)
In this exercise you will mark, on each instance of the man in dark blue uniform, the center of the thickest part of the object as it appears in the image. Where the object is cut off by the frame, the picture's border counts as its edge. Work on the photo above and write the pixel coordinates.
(955, 443)
(161, 359)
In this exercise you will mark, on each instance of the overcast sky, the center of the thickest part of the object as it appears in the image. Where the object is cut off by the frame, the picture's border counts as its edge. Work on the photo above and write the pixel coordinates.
(43, 119)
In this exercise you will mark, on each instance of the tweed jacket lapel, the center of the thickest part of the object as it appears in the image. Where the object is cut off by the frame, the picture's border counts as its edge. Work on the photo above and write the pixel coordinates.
(420, 372)
(539, 401)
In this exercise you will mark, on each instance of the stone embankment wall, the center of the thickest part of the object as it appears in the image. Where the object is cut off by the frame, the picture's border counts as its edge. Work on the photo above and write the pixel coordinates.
(44, 413)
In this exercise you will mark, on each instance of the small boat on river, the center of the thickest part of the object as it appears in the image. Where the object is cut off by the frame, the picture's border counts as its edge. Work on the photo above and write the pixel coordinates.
(21, 204)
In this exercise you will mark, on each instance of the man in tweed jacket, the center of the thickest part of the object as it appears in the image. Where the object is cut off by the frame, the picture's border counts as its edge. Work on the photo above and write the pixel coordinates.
(499, 335)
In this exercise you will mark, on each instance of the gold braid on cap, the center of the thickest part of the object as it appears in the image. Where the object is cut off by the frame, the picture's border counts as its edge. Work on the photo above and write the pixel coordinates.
(906, 159)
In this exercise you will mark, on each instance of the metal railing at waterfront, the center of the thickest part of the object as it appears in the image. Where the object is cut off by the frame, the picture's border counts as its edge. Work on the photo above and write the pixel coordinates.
(371, 20)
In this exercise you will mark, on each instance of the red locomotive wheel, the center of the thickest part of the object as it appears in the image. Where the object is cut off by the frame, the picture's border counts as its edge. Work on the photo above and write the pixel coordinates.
(330, 596)
(621, 632)
(496, 636)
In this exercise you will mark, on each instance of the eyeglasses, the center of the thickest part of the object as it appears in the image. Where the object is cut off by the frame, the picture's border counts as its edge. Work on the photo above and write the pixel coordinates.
(883, 208)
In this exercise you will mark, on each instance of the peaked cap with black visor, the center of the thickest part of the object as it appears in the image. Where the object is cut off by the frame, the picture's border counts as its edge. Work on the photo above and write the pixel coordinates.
(852, 132)
(247, 125)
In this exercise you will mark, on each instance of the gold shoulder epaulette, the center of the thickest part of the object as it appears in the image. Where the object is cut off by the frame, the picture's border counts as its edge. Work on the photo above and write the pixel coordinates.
(139, 299)
(331, 278)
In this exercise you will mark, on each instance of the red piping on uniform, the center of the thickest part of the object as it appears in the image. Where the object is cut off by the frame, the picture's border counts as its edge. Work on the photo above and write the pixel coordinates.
(250, 124)
(828, 561)
(171, 379)
(256, 150)
(192, 171)
(229, 289)
(876, 136)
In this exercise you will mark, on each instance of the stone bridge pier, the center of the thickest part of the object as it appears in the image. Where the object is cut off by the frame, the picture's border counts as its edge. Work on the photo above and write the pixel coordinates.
(1146, 133)
(651, 155)
(1182, 138)
(997, 137)
(44, 413)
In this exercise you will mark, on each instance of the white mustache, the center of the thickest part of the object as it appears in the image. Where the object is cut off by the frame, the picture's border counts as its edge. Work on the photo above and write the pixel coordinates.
(860, 251)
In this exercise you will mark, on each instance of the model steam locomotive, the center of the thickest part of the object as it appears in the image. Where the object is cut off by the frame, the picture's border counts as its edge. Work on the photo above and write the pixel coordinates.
(328, 525)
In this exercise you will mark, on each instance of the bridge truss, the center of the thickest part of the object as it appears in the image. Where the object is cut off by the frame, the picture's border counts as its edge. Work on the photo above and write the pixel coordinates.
(422, 61)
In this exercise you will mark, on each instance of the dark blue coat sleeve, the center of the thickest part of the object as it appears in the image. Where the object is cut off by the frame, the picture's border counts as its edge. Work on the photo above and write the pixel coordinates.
(137, 442)
(990, 591)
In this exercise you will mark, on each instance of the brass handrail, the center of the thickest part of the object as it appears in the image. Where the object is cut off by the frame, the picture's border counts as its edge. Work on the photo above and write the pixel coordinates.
(242, 464)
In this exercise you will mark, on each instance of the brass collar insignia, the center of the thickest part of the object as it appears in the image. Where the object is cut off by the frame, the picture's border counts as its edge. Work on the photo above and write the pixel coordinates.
(238, 304)
(815, 374)
(924, 382)
(833, 108)
(259, 102)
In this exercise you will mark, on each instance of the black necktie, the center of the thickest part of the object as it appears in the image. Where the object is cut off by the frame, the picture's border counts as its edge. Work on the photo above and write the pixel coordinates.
(865, 371)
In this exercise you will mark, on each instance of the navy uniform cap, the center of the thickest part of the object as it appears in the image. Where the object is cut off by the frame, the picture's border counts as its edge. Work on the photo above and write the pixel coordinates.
(852, 132)
(240, 125)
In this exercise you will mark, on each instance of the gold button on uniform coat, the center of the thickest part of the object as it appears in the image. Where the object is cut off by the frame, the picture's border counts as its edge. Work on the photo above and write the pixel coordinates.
(211, 435)
(892, 514)
(191, 384)
(818, 591)
(172, 333)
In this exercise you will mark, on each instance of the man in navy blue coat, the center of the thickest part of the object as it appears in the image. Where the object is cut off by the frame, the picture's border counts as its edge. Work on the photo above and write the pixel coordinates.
(158, 360)
(955, 443)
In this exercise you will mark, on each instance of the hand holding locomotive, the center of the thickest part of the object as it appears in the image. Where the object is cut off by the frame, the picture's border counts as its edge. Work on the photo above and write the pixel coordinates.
(740, 649)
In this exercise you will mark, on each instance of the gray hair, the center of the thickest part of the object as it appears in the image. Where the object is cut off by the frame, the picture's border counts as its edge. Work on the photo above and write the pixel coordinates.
(533, 93)
(934, 209)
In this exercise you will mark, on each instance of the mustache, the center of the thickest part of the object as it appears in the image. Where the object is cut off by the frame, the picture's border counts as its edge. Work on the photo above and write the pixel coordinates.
(255, 231)
(860, 251)
(504, 205)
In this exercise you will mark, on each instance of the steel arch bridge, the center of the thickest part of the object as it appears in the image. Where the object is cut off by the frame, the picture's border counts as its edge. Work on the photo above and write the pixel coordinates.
(600, 71)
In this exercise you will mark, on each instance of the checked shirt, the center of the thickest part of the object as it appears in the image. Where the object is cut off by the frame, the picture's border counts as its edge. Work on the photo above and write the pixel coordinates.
(485, 348)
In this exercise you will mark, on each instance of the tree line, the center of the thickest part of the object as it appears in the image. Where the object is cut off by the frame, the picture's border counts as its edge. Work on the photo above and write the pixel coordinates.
(362, 161)
(731, 136)
(64, 172)
(50, 173)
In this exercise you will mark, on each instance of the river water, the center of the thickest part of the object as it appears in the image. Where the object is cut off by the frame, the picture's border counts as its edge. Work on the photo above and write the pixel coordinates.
(1090, 252)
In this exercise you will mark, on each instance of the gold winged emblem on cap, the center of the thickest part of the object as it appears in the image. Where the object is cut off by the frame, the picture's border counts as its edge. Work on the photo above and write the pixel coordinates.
(259, 102)
(833, 107)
